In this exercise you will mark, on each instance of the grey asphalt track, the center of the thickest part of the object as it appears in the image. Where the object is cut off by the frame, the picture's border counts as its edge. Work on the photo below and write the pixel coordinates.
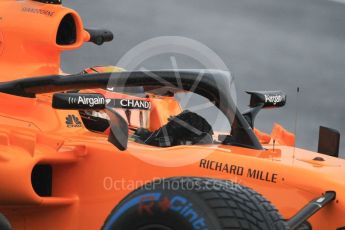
(267, 44)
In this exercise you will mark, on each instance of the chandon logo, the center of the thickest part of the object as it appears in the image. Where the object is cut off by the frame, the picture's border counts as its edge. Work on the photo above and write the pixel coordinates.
(274, 99)
(83, 100)
(135, 104)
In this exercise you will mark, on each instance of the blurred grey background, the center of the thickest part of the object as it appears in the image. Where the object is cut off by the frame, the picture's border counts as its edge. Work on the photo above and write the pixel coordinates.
(267, 44)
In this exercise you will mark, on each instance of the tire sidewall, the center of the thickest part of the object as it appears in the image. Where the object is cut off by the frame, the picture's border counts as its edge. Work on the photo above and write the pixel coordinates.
(184, 206)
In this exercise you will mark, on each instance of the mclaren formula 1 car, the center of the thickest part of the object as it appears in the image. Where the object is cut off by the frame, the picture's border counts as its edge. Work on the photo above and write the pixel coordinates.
(165, 149)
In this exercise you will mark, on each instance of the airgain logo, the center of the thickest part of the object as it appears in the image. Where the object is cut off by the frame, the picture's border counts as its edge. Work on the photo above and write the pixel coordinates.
(274, 99)
(90, 100)
(72, 121)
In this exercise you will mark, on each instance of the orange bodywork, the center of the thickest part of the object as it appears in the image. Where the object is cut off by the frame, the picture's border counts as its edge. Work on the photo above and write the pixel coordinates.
(90, 176)
(28, 38)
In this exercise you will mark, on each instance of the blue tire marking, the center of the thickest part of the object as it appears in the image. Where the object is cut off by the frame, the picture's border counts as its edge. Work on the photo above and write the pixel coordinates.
(129, 204)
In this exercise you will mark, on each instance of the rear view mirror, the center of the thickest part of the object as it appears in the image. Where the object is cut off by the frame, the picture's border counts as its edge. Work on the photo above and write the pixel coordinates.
(93, 101)
(79, 101)
(260, 100)
(118, 135)
(267, 99)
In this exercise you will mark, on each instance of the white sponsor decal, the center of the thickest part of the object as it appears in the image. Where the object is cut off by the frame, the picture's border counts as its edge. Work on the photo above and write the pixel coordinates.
(90, 101)
(138, 104)
(274, 99)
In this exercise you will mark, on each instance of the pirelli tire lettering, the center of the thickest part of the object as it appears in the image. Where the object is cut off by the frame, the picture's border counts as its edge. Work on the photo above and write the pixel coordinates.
(237, 170)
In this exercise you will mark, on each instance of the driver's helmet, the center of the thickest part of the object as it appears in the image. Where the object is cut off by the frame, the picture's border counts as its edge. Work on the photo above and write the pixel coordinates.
(130, 102)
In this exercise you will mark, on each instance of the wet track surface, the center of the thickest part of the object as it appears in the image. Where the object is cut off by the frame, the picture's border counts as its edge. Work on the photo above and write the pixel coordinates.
(267, 44)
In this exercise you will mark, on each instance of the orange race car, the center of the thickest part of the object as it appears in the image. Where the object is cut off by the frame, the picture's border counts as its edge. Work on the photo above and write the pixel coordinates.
(113, 149)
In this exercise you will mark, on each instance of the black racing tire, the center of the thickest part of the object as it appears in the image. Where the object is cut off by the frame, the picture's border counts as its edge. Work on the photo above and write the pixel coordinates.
(4, 223)
(186, 203)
